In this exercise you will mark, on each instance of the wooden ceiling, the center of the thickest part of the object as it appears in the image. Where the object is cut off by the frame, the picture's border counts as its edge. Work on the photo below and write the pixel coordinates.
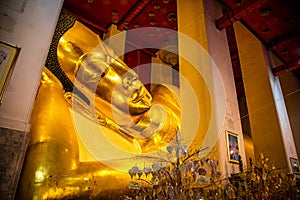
(276, 23)
(126, 15)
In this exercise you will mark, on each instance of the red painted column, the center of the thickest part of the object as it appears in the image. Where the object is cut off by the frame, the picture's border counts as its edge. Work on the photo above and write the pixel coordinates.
(140, 62)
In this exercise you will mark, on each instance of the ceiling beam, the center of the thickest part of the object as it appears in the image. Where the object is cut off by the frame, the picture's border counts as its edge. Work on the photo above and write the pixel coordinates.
(136, 9)
(262, 40)
(284, 68)
(283, 38)
(231, 16)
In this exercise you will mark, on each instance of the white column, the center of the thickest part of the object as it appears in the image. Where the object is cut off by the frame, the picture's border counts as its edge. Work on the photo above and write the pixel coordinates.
(269, 121)
(208, 77)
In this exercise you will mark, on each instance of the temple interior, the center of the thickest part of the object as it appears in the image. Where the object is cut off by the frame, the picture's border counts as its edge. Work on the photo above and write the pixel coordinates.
(149, 99)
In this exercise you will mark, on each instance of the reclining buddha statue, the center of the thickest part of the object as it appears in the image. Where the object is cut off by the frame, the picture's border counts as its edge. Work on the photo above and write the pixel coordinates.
(84, 81)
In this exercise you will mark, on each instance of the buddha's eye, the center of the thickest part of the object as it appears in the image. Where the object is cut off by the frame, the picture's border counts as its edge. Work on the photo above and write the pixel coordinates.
(128, 81)
(103, 72)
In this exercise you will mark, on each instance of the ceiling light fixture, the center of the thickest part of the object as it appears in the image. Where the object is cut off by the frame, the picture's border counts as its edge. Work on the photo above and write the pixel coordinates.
(156, 6)
(151, 14)
(284, 51)
(239, 2)
(264, 12)
(152, 22)
(114, 12)
(172, 17)
(266, 31)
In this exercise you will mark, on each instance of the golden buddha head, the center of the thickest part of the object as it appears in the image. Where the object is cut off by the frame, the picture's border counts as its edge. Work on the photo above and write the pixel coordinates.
(85, 58)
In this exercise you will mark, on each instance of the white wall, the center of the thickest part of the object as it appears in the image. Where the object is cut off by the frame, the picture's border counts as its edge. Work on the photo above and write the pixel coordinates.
(28, 24)
(219, 51)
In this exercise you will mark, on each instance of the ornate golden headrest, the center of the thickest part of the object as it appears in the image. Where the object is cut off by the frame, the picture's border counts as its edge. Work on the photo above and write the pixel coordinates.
(70, 41)
(76, 42)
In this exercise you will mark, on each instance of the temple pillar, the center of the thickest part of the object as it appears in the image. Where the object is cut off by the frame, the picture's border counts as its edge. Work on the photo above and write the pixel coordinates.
(29, 25)
(290, 85)
(140, 63)
(270, 126)
(160, 72)
(206, 68)
(118, 42)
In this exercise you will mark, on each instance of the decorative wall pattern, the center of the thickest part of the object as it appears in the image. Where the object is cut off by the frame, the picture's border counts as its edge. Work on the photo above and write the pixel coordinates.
(12, 147)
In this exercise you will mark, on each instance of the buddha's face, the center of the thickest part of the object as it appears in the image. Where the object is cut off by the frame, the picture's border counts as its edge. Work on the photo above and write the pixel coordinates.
(113, 81)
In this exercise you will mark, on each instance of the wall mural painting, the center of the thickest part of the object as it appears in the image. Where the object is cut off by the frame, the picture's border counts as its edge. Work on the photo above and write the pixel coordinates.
(8, 57)
(233, 147)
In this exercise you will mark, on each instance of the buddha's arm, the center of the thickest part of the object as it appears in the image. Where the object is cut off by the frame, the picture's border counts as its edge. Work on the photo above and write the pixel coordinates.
(80, 106)
(51, 168)
(159, 125)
